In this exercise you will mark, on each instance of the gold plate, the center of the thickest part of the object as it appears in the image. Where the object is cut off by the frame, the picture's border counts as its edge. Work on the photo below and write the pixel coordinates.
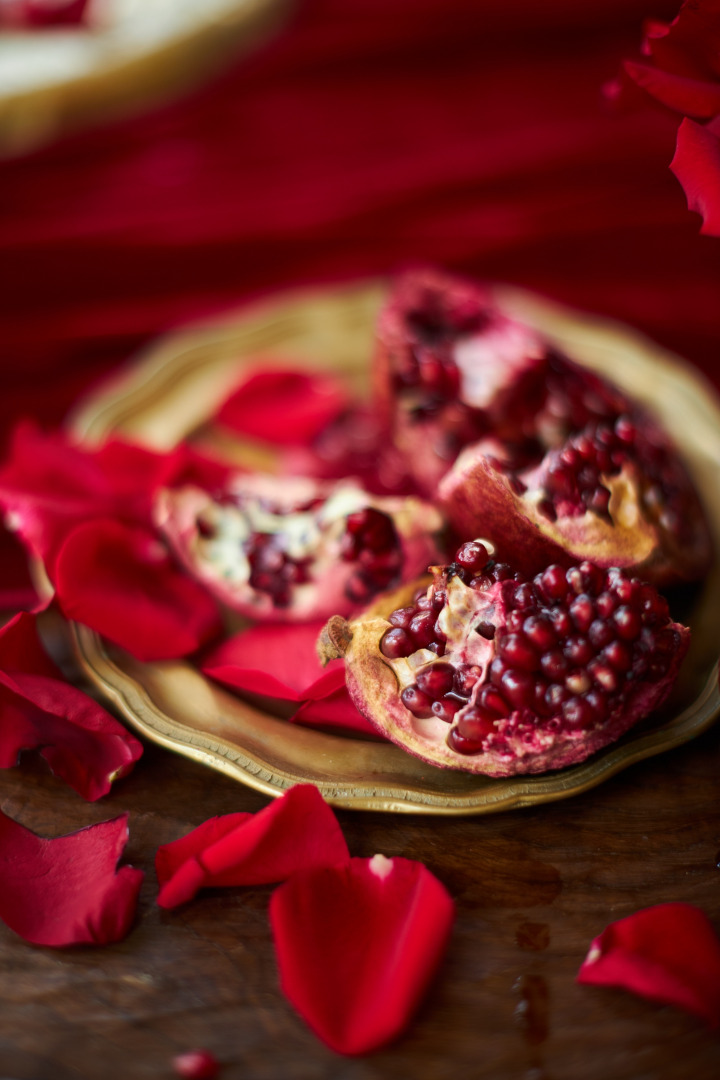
(172, 391)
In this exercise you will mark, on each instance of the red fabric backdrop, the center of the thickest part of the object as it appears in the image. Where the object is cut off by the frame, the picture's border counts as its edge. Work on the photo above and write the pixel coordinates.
(367, 134)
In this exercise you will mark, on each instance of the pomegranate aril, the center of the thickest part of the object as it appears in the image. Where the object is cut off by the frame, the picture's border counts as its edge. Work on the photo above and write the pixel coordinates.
(401, 617)
(578, 712)
(618, 655)
(422, 628)
(604, 675)
(628, 622)
(472, 556)
(445, 709)
(582, 612)
(417, 702)
(396, 643)
(552, 584)
(436, 680)
(539, 632)
(517, 687)
(465, 679)
(605, 605)
(518, 651)
(578, 651)
(600, 634)
(554, 665)
(578, 682)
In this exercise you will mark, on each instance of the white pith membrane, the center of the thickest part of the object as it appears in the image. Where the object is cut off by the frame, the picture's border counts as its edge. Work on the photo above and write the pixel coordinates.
(491, 361)
(301, 519)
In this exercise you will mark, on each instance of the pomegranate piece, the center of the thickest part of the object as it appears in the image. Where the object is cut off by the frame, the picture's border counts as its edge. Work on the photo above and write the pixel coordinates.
(450, 369)
(524, 446)
(293, 549)
(519, 675)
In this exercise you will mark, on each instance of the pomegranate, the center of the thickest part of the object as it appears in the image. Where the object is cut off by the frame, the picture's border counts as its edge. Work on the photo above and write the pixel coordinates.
(296, 549)
(524, 446)
(490, 671)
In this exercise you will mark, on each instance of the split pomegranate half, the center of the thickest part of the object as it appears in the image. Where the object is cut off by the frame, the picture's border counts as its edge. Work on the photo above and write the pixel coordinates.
(522, 445)
(295, 549)
(489, 671)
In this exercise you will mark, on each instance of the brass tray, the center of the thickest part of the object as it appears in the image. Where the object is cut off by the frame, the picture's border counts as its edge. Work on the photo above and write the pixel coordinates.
(171, 392)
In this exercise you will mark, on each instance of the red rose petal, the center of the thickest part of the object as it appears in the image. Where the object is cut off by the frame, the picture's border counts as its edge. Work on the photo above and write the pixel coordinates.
(67, 891)
(336, 711)
(283, 406)
(82, 743)
(357, 945)
(297, 830)
(696, 164)
(119, 580)
(275, 659)
(694, 97)
(667, 953)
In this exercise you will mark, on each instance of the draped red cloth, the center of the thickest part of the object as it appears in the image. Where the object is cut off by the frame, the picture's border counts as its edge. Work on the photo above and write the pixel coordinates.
(365, 135)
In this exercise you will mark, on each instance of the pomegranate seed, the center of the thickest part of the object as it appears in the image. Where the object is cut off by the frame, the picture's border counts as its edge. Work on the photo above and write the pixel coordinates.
(578, 712)
(472, 556)
(539, 632)
(445, 709)
(469, 738)
(582, 612)
(436, 680)
(625, 430)
(465, 679)
(605, 676)
(486, 630)
(396, 643)
(599, 500)
(605, 605)
(517, 687)
(424, 603)
(600, 634)
(196, 1065)
(422, 628)
(578, 650)
(401, 617)
(578, 682)
(598, 702)
(417, 702)
(555, 695)
(552, 584)
(562, 623)
(627, 622)
(554, 665)
(518, 651)
(618, 655)
(524, 597)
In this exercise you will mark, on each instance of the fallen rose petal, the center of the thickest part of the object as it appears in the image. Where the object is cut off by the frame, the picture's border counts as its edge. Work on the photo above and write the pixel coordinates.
(67, 890)
(668, 953)
(694, 97)
(275, 659)
(696, 164)
(82, 743)
(357, 945)
(120, 581)
(196, 1065)
(283, 406)
(297, 830)
(335, 711)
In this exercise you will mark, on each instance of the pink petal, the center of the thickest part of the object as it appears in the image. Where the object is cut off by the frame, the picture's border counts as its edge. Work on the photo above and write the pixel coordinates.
(67, 891)
(275, 659)
(667, 953)
(696, 164)
(119, 580)
(357, 945)
(283, 406)
(298, 830)
(82, 743)
(694, 97)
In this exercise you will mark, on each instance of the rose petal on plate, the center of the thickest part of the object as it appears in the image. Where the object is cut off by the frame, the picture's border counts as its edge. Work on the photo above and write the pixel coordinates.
(298, 830)
(668, 953)
(357, 945)
(274, 659)
(119, 580)
(82, 743)
(335, 711)
(67, 890)
(696, 164)
(283, 406)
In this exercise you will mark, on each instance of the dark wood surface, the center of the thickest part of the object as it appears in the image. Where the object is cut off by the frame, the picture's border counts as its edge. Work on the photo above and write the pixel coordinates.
(532, 889)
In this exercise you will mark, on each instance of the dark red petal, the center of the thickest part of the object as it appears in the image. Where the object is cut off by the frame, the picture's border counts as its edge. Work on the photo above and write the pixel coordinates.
(196, 1065)
(67, 891)
(357, 945)
(667, 953)
(283, 406)
(335, 711)
(275, 659)
(298, 830)
(119, 580)
(82, 743)
(694, 97)
(696, 164)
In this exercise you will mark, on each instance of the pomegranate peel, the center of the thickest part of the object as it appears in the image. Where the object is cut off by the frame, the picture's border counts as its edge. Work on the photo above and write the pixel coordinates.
(668, 953)
(498, 674)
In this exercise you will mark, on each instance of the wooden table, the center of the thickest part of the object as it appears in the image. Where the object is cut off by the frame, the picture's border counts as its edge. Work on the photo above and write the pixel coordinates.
(532, 889)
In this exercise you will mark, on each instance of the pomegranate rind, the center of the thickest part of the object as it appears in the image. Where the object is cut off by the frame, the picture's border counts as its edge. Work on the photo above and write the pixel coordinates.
(223, 569)
(478, 499)
(375, 683)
